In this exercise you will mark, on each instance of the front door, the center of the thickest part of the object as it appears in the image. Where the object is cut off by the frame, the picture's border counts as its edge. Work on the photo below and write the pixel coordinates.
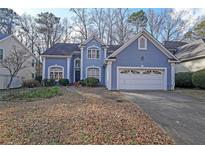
(77, 75)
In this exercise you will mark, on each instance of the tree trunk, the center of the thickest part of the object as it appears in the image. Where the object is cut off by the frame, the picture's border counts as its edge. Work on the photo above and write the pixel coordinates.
(9, 84)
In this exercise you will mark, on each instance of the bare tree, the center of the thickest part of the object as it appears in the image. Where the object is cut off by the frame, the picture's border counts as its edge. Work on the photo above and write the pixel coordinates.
(14, 62)
(174, 25)
(122, 27)
(98, 19)
(67, 30)
(28, 33)
(155, 22)
(81, 22)
(111, 21)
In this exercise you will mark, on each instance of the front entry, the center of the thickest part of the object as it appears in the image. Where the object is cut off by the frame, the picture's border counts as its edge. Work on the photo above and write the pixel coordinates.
(77, 75)
(77, 70)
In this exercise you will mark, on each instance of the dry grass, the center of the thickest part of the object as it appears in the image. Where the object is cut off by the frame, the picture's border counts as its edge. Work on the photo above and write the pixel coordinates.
(93, 116)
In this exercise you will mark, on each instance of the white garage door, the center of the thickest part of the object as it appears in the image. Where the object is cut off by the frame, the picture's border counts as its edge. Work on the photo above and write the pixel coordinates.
(141, 79)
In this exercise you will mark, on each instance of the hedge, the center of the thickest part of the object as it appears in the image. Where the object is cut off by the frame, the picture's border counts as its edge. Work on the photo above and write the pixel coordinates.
(63, 82)
(90, 82)
(198, 79)
(49, 82)
(184, 80)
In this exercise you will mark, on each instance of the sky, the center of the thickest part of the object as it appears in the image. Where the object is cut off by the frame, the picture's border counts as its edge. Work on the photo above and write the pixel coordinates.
(192, 14)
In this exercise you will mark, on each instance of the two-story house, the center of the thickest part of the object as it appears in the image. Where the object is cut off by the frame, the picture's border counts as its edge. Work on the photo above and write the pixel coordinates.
(7, 44)
(142, 63)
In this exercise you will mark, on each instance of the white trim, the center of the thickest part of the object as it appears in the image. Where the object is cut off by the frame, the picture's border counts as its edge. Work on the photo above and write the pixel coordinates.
(6, 38)
(44, 68)
(109, 75)
(105, 52)
(56, 56)
(172, 76)
(158, 68)
(150, 38)
(139, 39)
(81, 63)
(93, 66)
(93, 47)
(68, 68)
(54, 66)
(75, 67)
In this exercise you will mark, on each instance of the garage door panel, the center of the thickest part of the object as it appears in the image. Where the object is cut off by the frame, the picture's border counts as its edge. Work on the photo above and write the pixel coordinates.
(152, 80)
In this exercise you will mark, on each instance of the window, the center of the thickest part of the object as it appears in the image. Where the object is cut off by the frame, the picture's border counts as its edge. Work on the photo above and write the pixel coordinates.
(142, 43)
(33, 63)
(93, 72)
(1, 54)
(33, 75)
(93, 53)
(56, 73)
(77, 63)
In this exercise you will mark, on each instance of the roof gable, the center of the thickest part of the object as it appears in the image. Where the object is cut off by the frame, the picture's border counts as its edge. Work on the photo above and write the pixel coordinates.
(3, 36)
(148, 36)
(93, 37)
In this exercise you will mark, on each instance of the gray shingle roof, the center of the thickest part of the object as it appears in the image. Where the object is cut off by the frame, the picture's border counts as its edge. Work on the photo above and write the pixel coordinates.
(170, 45)
(2, 36)
(195, 49)
(68, 48)
(62, 49)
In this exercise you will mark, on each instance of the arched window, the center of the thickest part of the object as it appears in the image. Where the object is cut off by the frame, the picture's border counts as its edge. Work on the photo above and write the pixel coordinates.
(77, 63)
(93, 53)
(142, 43)
(93, 72)
(56, 73)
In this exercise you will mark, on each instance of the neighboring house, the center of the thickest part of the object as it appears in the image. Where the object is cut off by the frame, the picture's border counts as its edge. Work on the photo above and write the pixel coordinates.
(7, 42)
(192, 56)
(173, 46)
(142, 63)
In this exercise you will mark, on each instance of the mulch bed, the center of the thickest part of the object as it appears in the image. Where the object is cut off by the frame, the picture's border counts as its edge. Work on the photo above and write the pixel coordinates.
(89, 116)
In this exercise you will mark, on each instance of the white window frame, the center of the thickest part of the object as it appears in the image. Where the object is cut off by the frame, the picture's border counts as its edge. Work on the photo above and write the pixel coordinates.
(90, 67)
(139, 39)
(49, 70)
(93, 49)
(2, 53)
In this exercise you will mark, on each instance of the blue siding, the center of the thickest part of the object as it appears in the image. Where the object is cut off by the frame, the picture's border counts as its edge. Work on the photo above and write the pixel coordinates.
(94, 62)
(131, 56)
(56, 61)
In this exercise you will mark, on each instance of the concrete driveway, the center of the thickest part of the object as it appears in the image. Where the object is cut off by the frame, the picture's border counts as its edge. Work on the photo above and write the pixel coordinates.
(181, 112)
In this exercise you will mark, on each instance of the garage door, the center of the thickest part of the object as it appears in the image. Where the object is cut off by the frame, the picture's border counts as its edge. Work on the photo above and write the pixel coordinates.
(141, 79)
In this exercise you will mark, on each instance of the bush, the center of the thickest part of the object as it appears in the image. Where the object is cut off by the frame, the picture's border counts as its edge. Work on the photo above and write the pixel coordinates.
(198, 79)
(63, 82)
(184, 80)
(31, 83)
(49, 82)
(38, 78)
(91, 82)
(82, 82)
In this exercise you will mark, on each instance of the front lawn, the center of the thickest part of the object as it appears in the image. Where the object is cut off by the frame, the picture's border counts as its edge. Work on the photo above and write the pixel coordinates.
(30, 94)
(86, 116)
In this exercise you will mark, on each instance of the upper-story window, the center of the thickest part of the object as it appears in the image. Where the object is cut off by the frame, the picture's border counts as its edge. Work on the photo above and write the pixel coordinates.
(33, 63)
(1, 54)
(93, 53)
(142, 43)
